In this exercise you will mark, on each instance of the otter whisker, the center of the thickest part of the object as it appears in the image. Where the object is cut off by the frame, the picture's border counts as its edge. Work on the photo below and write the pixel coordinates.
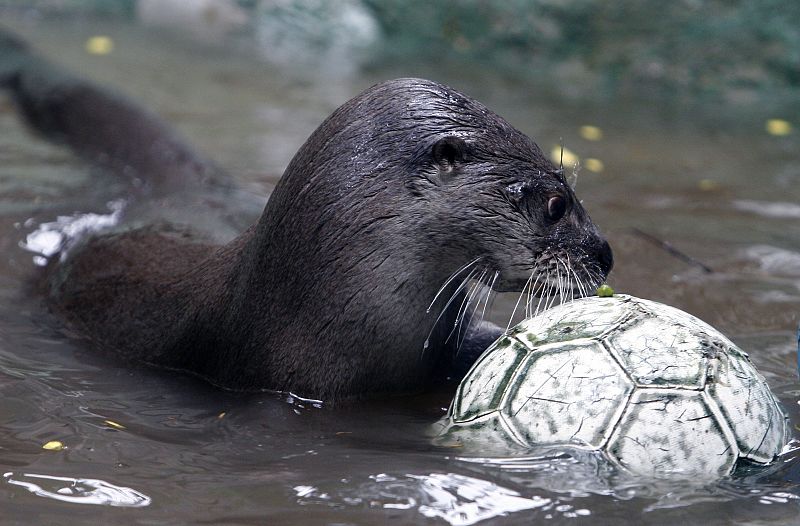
(462, 310)
(444, 309)
(555, 294)
(578, 281)
(488, 295)
(595, 276)
(450, 279)
(530, 299)
(589, 277)
(532, 291)
(570, 273)
(599, 277)
(569, 286)
(462, 335)
(527, 294)
(528, 291)
(581, 290)
(478, 285)
(576, 286)
(560, 281)
(521, 294)
(589, 282)
(549, 293)
(573, 286)
(544, 294)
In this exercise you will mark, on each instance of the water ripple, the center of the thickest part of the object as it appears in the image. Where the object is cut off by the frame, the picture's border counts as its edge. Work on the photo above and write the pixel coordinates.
(768, 209)
(79, 491)
(458, 500)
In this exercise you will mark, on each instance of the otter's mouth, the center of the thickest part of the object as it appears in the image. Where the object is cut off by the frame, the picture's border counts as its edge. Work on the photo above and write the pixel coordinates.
(554, 275)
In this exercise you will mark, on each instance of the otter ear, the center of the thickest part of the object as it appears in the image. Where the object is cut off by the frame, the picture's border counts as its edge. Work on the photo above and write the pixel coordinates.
(448, 152)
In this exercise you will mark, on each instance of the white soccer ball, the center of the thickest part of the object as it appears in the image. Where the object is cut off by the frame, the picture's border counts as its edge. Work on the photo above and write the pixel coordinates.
(657, 391)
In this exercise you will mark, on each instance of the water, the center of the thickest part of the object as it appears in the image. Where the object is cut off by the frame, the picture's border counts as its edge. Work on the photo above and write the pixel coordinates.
(150, 447)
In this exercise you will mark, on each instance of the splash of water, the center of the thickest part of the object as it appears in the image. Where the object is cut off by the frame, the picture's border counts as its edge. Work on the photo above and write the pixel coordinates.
(57, 236)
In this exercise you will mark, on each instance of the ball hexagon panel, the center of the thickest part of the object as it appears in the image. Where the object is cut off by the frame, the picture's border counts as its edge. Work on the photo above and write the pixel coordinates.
(572, 321)
(750, 408)
(572, 393)
(656, 353)
(481, 390)
(671, 315)
(671, 432)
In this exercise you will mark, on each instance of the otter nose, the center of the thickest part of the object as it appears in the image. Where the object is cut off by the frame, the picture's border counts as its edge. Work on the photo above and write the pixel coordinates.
(605, 257)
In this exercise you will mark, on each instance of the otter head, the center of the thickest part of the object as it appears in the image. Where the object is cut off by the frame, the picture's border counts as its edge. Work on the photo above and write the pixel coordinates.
(486, 192)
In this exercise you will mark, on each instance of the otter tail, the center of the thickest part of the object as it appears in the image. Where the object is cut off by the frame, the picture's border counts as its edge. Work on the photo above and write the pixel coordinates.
(99, 125)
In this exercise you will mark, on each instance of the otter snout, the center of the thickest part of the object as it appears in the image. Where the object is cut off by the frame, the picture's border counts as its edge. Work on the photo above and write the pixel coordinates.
(579, 266)
(605, 257)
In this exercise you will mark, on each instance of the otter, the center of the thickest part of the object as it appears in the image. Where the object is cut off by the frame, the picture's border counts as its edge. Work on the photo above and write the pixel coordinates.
(396, 201)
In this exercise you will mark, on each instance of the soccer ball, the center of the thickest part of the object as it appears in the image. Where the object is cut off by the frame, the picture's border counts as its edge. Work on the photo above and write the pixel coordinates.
(657, 391)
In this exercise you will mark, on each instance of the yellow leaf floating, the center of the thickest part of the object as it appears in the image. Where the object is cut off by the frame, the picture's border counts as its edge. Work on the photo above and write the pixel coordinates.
(54, 445)
(708, 185)
(99, 45)
(594, 165)
(113, 424)
(591, 133)
(566, 157)
(778, 127)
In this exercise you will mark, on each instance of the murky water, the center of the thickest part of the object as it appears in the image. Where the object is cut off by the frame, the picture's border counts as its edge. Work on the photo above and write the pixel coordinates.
(149, 447)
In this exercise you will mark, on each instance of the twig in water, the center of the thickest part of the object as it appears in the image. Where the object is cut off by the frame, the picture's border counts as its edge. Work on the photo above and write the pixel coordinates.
(672, 250)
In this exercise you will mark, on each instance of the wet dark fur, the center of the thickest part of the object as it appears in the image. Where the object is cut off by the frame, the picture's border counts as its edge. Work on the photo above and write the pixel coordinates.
(327, 294)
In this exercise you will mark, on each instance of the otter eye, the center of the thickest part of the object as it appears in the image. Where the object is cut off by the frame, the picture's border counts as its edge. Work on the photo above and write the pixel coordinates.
(556, 206)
